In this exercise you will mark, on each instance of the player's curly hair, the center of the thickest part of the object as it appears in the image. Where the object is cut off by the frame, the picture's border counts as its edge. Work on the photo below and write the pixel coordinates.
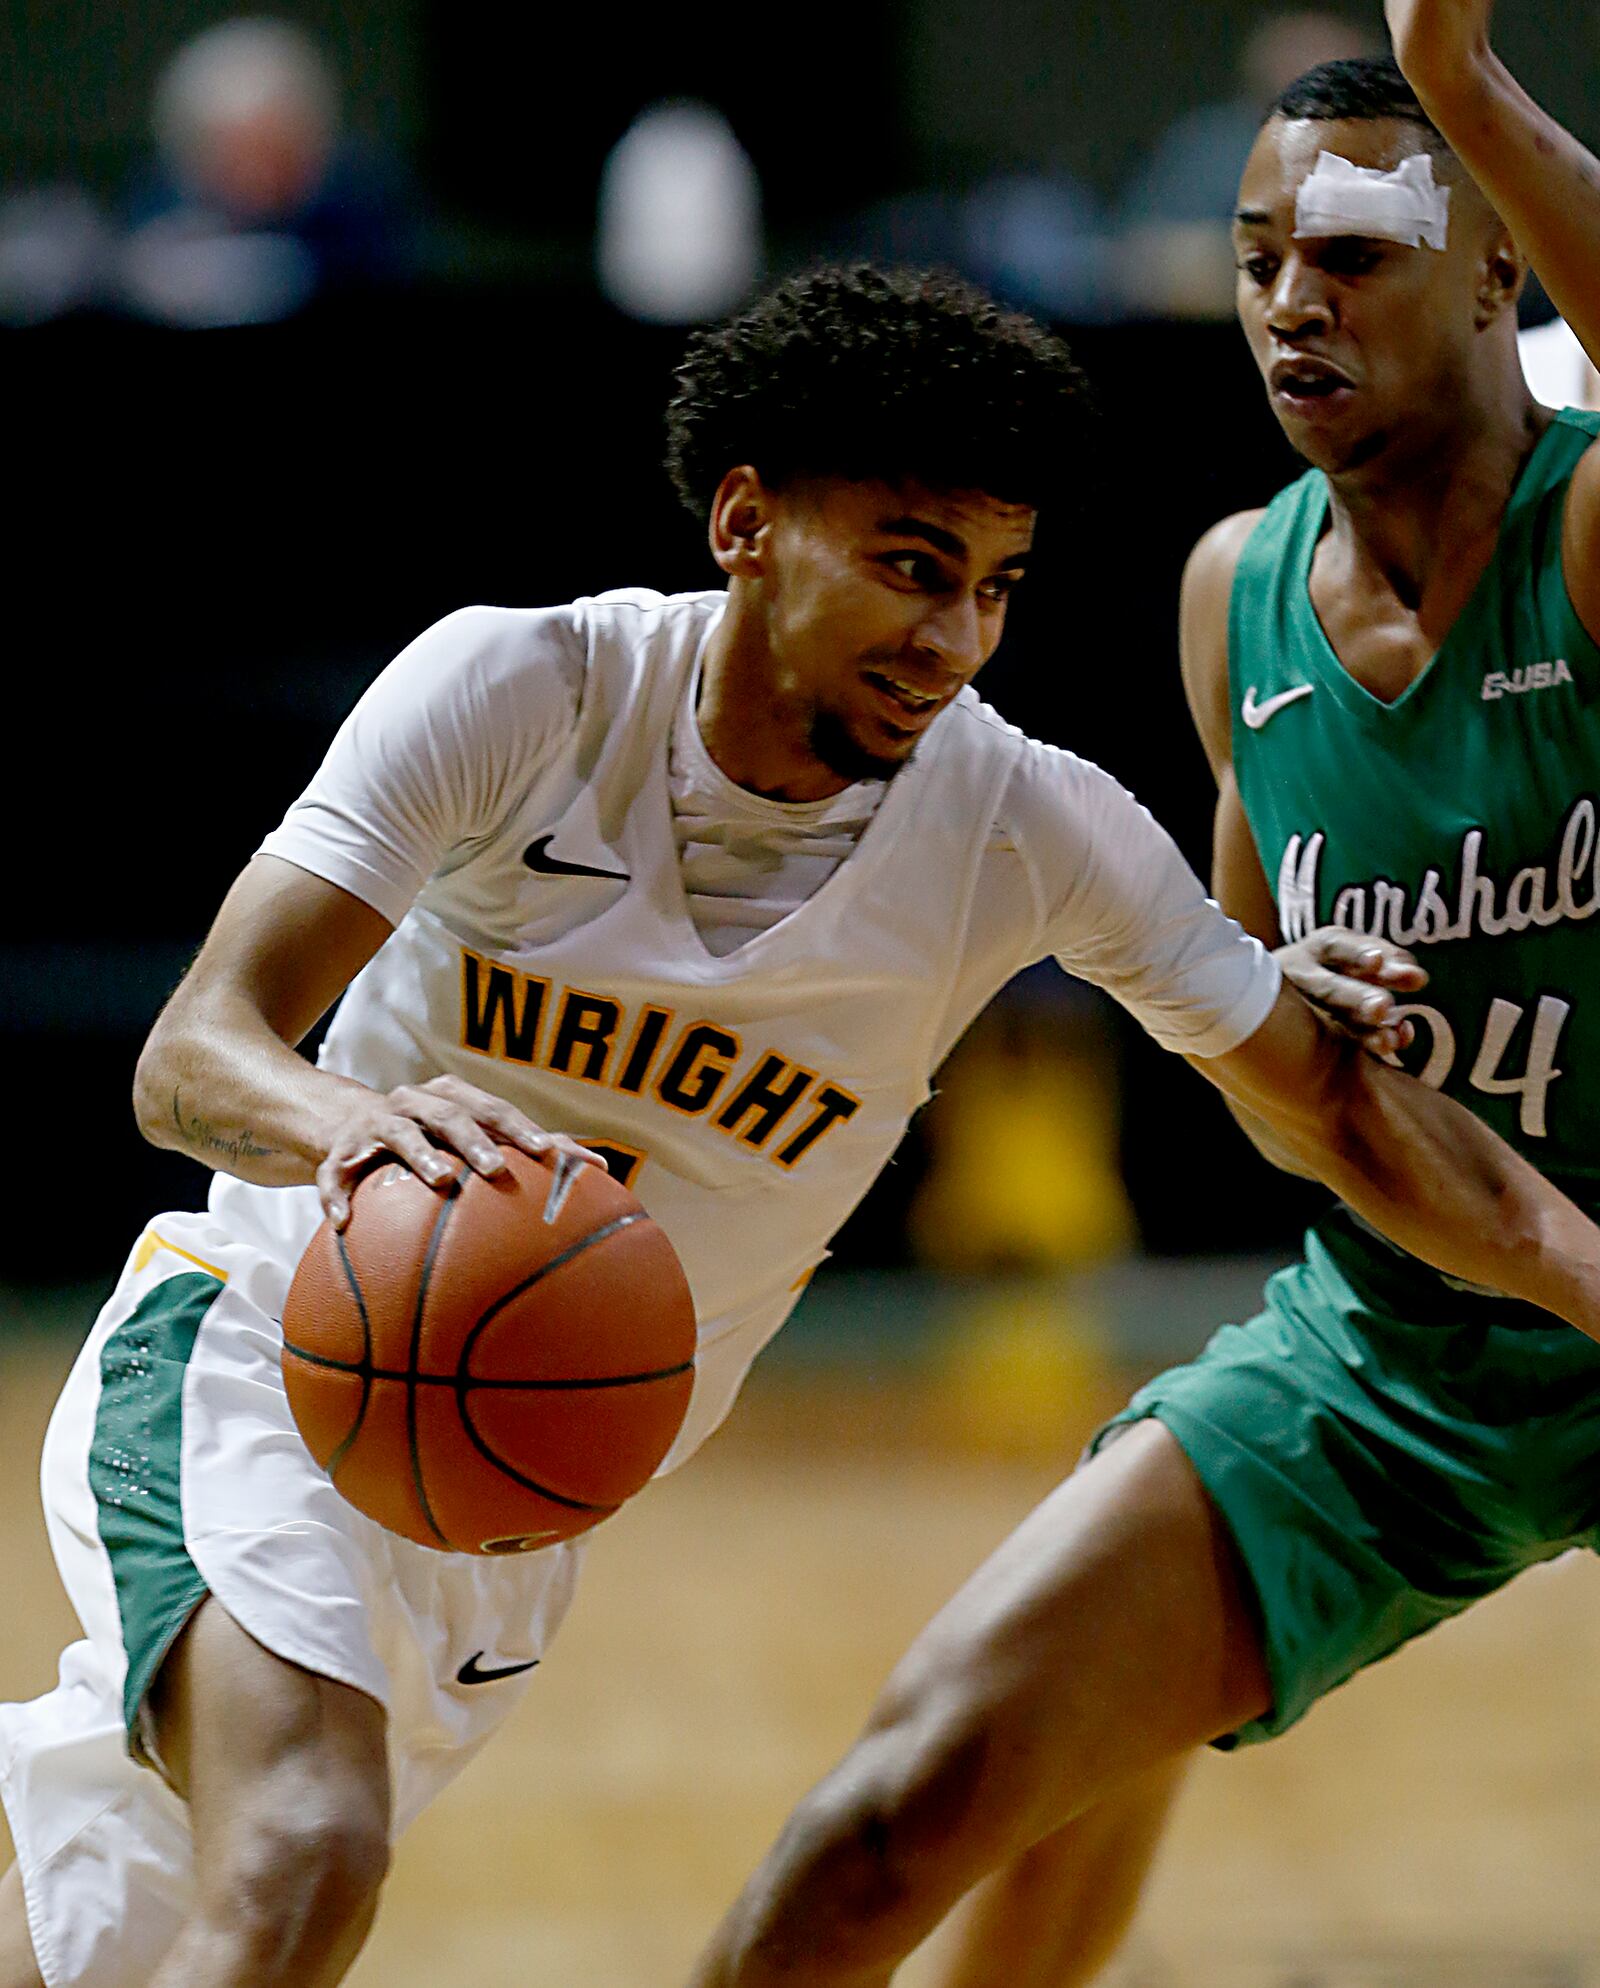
(1357, 87)
(878, 375)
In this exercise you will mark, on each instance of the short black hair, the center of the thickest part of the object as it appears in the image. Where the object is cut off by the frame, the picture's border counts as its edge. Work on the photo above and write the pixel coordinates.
(1356, 88)
(873, 375)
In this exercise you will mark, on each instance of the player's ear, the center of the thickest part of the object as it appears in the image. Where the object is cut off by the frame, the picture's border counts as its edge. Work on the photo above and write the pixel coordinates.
(1501, 275)
(741, 523)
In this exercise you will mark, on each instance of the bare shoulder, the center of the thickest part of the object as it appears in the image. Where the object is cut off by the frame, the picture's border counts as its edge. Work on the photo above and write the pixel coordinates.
(1203, 630)
(1580, 551)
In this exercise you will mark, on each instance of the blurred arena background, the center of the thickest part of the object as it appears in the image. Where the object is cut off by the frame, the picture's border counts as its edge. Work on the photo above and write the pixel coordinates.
(317, 327)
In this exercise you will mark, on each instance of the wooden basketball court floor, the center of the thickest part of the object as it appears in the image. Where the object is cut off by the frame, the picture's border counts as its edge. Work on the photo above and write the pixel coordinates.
(1434, 1825)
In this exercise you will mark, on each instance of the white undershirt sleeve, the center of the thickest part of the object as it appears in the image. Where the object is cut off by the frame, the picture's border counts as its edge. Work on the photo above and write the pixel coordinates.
(427, 759)
(1123, 909)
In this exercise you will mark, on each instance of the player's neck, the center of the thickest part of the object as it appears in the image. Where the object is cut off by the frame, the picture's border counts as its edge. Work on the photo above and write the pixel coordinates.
(757, 735)
(1418, 509)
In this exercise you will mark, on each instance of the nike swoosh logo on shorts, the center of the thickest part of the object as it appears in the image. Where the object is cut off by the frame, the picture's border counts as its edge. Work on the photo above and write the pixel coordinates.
(472, 1673)
(538, 859)
(1256, 715)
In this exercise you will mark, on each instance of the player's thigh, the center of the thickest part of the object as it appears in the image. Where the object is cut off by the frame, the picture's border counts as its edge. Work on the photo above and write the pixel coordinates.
(268, 1755)
(18, 1968)
(1111, 1632)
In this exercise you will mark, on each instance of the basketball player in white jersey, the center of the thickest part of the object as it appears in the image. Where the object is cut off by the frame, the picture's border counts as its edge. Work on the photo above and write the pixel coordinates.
(711, 881)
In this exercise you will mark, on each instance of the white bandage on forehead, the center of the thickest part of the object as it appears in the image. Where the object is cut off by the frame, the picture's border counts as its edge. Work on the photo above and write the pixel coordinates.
(1338, 198)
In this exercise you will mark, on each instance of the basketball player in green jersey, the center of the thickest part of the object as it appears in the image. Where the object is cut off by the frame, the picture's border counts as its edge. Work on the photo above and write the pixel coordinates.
(1394, 670)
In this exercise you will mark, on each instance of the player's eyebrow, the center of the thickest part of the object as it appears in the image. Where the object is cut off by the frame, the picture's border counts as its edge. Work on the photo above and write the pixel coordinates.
(935, 535)
(947, 542)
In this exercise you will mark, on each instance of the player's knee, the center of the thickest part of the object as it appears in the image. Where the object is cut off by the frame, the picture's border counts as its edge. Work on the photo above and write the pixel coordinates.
(939, 1785)
(888, 1842)
(956, 1782)
(295, 1875)
(846, 1888)
(317, 1864)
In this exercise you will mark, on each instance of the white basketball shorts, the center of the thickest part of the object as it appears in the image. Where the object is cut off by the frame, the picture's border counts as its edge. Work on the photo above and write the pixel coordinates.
(172, 1470)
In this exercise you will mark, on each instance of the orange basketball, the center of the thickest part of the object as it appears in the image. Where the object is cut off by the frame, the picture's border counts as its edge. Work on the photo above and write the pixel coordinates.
(494, 1368)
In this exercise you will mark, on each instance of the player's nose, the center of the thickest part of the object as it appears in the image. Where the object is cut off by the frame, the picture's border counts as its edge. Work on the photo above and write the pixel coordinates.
(952, 630)
(1300, 303)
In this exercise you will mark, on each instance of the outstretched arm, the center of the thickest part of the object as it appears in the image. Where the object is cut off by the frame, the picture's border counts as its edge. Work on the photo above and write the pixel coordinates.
(1420, 1167)
(1544, 185)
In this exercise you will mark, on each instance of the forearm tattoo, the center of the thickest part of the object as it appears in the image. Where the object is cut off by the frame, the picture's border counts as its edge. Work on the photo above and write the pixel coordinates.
(203, 1137)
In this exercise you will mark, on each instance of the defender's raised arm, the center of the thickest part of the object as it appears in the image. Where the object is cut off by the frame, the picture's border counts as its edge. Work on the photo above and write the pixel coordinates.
(1544, 184)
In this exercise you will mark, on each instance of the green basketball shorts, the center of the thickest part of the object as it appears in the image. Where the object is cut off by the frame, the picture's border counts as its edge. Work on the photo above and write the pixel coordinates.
(1385, 1449)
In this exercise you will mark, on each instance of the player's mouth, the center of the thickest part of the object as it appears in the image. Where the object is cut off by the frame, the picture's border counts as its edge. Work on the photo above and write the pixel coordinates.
(906, 705)
(1308, 388)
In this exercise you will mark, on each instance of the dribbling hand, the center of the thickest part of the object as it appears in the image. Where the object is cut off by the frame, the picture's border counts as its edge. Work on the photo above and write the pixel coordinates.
(1352, 982)
(420, 1125)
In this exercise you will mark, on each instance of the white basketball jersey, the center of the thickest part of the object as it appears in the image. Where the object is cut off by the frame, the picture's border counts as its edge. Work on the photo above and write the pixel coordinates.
(550, 955)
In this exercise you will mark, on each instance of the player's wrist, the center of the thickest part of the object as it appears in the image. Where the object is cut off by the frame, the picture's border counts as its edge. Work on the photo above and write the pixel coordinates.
(324, 1114)
(1567, 1270)
(1464, 90)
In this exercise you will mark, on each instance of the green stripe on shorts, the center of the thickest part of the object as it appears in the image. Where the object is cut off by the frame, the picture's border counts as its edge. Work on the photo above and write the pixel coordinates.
(135, 1473)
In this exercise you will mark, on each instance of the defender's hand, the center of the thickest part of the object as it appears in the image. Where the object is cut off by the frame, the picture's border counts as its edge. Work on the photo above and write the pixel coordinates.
(1352, 982)
(419, 1124)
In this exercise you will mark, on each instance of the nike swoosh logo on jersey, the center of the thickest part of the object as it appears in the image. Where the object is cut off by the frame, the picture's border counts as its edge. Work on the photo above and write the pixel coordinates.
(472, 1673)
(1256, 715)
(538, 859)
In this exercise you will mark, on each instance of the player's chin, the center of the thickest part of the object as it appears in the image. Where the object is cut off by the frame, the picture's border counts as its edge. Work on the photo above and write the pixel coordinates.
(887, 746)
(865, 749)
(1332, 434)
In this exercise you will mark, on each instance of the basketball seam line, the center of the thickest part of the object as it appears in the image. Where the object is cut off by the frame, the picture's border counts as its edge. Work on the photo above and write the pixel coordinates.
(555, 1263)
(530, 1483)
(464, 1387)
(423, 1283)
(369, 1372)
(345, 1447)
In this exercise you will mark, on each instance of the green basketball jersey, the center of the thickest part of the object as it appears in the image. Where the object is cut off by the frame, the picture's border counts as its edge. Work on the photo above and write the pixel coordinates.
(1460, 820)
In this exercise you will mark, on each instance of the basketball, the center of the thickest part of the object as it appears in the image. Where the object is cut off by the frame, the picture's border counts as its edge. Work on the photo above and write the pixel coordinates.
(492, 1368)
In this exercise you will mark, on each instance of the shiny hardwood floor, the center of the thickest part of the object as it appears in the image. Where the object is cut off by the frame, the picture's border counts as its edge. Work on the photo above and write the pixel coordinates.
(1434, 1825)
